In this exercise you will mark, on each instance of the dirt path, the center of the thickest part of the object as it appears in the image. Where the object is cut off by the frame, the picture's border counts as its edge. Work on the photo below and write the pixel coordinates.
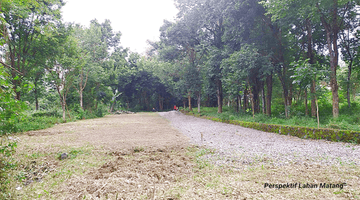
(113, 132)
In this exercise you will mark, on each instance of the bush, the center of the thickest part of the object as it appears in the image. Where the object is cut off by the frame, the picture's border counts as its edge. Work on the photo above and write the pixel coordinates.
(47, 113)
(7, 148)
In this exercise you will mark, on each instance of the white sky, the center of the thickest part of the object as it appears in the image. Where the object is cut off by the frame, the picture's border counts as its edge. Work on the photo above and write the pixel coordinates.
(137, 20)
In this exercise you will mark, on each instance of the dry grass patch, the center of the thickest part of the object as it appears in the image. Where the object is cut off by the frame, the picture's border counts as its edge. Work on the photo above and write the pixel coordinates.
(167, 173)
(40, 172)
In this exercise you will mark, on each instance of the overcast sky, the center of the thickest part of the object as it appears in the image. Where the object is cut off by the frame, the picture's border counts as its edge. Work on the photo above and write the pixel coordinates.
(137, 20)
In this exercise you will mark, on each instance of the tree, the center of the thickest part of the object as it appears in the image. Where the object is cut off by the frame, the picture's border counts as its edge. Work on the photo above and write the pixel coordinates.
(23, 23)
(243, 68)
(332, 16)
(64, 64)
(209, 18)
(183, 39)
(247, 26)
(100, 69)
(349, 44)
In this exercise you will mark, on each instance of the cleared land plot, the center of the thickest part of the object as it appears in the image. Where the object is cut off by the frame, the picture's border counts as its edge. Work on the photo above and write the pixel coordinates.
(142, 156)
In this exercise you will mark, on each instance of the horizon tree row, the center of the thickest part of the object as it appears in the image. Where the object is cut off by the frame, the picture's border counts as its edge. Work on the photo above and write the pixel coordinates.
(241, 48)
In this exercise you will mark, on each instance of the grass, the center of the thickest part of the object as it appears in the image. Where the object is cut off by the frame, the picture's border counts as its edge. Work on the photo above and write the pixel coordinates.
(40, 174)
(347, 120)
(38, 120)
(169, 173)
(30, 121)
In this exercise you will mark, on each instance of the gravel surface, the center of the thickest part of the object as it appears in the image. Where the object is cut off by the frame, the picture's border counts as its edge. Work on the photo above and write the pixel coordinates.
(238, 145)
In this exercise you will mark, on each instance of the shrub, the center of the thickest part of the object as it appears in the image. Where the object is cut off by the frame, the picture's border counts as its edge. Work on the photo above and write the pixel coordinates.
(47, 113)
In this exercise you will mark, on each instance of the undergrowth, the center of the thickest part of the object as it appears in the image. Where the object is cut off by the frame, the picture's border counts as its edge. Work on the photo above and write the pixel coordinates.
(37, 120)
(349, 118)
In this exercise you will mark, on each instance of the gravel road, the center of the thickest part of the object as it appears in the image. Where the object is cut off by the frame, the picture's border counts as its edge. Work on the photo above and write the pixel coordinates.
(237, 145)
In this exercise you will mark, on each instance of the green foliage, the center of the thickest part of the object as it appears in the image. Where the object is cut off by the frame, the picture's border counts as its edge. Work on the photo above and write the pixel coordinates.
(7, 148)
(10, 112)
(344, 122)
(46, 113)
(298, 131)
(37, 123)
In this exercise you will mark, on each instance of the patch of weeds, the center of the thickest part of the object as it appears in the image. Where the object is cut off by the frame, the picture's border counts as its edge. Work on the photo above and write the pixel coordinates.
(201, 164)
(339, 192)
(74, 153)
(226, 190)
(37, 155)
(7, 149)
(203, 152)
(139, 149)
(20, 176)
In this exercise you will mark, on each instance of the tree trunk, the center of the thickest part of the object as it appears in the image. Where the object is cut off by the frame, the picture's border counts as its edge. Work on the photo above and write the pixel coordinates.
(112, 106)
(16, 83)
(184, 102)
(306, 104)
(81, 99)
(219, 96)
(252, 102)
(349, 84)
(245, 100)
(290, 97)
(313, 102)
(310, 55)
(63, 106)
(254, 91)
(36, 96)
(263, 99)
(96, 95)
(334, 90)
(199, 102)
(268, 94)
(237, 103)
(317, 112)
(286, 94)
(189, 99)
(161, 103)
(332, 30)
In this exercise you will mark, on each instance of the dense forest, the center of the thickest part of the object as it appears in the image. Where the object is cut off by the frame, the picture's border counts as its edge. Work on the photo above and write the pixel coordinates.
(279, 59)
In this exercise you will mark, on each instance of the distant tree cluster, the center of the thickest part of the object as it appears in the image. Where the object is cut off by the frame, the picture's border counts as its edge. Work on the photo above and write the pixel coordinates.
(257, 56)
(241, 49)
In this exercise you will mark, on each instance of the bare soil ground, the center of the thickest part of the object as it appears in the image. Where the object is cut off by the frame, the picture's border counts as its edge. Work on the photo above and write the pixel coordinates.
(113, 132)
(142, 156)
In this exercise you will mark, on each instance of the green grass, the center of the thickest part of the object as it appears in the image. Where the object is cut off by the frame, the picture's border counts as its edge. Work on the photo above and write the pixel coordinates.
(349, 119)
(37, 120)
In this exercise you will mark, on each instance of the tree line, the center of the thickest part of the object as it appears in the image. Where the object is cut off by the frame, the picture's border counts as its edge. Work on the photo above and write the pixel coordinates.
(50, 63)
(253, 55)
(239, 50)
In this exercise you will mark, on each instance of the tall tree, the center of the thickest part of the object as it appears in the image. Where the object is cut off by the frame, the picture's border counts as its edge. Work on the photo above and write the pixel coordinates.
(23, 24)
(209, 16)
(64, 64)
(331, 14)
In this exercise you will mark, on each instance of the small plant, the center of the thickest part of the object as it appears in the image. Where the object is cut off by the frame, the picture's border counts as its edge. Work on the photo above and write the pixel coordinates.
(138, 149)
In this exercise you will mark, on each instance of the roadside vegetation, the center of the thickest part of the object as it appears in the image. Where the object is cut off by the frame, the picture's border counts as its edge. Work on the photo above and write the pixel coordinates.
(349, 119)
